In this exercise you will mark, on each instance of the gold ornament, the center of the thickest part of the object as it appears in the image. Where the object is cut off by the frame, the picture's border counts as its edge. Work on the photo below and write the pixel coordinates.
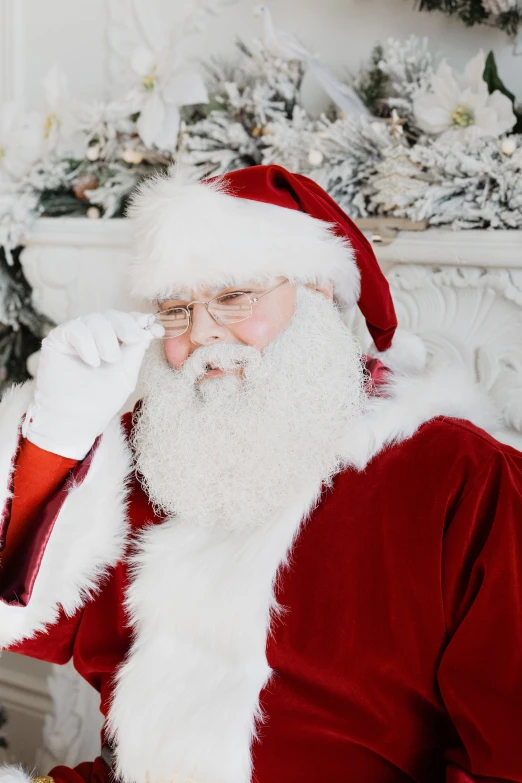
(43, 779)
(132, 156)
(260, 131)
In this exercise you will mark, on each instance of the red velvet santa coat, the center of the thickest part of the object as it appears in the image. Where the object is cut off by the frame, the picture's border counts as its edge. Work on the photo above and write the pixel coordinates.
(394, 601)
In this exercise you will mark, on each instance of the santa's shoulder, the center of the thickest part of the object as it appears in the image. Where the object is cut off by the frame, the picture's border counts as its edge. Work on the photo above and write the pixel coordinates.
(443, 458)
(451, 439)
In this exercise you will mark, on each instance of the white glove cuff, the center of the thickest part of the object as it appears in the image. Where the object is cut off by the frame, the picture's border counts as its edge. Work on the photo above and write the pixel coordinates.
(71, 447)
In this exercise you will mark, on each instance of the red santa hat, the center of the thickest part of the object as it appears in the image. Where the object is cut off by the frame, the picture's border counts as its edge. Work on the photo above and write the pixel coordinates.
(255, 224)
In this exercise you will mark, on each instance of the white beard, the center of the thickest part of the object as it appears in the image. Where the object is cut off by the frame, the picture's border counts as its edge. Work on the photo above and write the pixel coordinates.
(234, 451)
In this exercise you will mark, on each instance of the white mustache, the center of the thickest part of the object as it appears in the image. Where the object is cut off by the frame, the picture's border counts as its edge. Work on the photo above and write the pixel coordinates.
(223, 356)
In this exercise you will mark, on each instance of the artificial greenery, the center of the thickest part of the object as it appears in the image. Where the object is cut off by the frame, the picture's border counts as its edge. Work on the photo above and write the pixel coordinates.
(3, 721)
(372, 82)
(473, 12)
(21, 326)
(494, 82)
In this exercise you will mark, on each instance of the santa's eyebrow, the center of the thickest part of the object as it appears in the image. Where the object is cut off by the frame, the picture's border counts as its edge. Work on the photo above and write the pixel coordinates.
(184, 296)
(175, 295)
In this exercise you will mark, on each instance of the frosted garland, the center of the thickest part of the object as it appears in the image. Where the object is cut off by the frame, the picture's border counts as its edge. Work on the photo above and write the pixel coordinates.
(471, 186)
(499, 6)
(247, 99)
(504, 14)
(380, 164)
(352, 152)
(408, 66)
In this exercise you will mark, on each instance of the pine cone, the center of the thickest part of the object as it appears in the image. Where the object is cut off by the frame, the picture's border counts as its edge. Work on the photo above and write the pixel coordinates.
(83, 183)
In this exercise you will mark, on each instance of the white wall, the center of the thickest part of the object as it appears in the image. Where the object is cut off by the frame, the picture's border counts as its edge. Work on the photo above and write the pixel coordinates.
(72, 33)
(24, 695)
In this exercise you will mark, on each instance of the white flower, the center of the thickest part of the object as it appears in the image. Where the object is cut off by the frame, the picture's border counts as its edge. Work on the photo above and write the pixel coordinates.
(165, 84)
(61, 124)
(21, 142)
(460, 104)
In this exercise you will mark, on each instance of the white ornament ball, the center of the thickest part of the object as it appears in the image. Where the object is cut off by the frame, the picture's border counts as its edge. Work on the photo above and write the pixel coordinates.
(315, 157)
(93, 152)
(130, 155)
(508, 145)
(378, 127)
(93, 213)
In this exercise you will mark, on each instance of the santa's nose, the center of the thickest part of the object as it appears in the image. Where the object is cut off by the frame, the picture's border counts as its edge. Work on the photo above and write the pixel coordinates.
(205, 329)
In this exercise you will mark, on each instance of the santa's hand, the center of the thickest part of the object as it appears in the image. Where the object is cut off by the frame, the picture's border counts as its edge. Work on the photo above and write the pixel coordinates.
(87, 369)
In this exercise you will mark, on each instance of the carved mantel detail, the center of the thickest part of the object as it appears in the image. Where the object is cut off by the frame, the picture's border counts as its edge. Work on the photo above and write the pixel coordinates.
(473, 316)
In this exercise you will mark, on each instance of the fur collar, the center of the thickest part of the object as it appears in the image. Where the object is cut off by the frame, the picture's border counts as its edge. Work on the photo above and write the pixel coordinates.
(405, 402)
(186, 700)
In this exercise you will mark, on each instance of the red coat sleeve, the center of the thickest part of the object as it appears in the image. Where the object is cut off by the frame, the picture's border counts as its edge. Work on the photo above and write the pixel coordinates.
(480, 672)
(38, 476)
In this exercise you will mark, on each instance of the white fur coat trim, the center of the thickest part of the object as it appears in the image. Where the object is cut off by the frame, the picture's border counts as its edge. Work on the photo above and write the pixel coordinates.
(89, 534)
(13, 774)
(443, 390)
(12, 407)
(187, 699)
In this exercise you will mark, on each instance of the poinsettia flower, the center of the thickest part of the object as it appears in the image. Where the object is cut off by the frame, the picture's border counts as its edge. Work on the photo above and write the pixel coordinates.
(21, 142)
(165, 84)
(460, 104)
(61, 124)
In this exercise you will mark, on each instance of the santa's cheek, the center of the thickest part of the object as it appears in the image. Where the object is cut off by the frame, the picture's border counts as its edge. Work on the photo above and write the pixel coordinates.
(176, 351)
(257, 332)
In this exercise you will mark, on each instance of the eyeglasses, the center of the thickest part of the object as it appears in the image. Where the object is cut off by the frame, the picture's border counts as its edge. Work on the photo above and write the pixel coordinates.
(227, 310)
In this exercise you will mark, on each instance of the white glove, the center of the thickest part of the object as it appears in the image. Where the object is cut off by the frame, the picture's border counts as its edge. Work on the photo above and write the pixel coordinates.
(87, 369)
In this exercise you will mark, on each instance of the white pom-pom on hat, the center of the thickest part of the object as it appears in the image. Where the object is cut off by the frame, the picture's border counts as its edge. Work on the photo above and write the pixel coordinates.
(407, 354)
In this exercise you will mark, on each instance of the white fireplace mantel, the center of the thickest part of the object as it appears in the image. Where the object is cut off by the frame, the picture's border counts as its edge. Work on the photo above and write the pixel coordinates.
(475, 247)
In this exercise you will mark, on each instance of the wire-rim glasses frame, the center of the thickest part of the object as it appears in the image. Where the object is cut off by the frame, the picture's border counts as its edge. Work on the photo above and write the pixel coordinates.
(188, 308)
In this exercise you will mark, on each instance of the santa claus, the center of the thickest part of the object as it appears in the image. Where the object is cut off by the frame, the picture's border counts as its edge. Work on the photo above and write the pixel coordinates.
(291, 563)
